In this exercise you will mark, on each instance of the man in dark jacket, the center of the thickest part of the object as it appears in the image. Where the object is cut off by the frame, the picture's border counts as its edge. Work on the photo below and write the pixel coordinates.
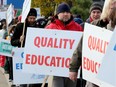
(63, 21)
(18, 36)
(30, 22)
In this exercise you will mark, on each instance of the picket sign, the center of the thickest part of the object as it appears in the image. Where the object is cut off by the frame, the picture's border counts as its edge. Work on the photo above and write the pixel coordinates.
(107, 71)
(10, 14)
(25, 10)
(5, 48)
(20, 77)
(95, 42)
(48, 52)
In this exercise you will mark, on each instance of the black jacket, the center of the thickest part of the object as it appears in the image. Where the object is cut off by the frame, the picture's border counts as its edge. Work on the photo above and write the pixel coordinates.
(15, 40)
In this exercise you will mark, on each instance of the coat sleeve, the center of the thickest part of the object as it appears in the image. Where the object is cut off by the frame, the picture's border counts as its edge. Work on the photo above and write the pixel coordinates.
(100, 23)
(76, 60)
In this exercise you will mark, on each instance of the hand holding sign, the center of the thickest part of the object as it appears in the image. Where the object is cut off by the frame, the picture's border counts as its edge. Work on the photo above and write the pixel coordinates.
(22, 38)
(73, 76)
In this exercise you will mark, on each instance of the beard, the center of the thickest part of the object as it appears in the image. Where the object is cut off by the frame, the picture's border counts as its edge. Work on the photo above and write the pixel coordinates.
(64, 19)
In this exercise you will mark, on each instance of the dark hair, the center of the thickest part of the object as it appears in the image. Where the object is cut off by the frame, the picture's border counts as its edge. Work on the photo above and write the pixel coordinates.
(112, 17)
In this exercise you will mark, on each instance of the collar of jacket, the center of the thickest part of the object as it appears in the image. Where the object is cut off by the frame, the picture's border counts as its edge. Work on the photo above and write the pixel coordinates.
(89, 20)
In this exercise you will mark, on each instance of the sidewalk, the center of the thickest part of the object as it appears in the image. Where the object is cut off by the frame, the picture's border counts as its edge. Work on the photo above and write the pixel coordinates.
(4, 81)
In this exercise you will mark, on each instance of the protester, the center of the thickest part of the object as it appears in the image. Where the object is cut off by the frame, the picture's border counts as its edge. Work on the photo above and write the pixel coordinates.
(3, 35)
(63, 20)
(18, 36)
(10, 32)
(10, 60)
(95, 13)
(30, 22)
(104, 19)
(107, 15)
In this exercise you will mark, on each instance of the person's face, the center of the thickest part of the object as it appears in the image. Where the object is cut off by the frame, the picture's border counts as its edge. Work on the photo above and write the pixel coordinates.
(95, 14)
(64, 16)
(31, 20)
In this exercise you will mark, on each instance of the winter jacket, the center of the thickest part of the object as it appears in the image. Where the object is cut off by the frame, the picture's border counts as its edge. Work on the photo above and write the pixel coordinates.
(15, 39)
(76, 60)
(57, 24)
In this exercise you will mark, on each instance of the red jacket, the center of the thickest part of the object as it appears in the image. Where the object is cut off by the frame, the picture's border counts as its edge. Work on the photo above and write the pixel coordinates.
(57, 24)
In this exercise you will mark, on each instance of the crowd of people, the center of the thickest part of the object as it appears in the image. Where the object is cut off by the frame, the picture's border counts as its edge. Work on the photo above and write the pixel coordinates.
(102, 16)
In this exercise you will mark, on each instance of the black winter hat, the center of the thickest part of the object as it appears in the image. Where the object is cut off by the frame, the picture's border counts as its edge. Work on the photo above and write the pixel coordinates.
(96, 5)
(63, 7)
(32, 12)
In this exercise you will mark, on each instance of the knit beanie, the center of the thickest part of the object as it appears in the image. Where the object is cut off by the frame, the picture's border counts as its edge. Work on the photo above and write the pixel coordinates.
(32, 12)
(96, 5)
(63, 7)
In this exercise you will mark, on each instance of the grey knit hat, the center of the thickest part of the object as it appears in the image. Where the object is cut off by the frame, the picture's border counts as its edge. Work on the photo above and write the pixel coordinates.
(96, 5)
